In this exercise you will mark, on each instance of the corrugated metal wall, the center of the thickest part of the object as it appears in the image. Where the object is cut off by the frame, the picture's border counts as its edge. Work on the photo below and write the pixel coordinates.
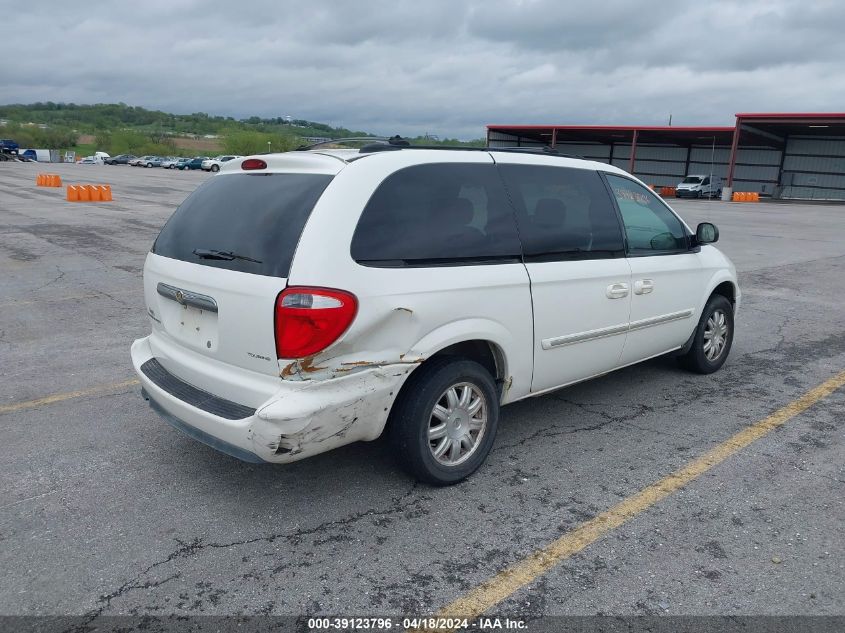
(757, 169)
(814, 168)
(810, 168)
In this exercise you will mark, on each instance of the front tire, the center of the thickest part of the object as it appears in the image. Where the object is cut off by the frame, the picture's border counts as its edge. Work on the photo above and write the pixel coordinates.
(444, 421)
(713, 337)
(215, 168)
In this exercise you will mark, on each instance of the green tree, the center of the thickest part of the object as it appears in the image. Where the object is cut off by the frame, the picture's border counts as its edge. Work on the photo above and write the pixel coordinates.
(247, 142)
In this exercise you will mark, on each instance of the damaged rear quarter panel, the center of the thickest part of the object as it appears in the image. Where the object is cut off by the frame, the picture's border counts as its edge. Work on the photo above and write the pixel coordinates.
(313, 416)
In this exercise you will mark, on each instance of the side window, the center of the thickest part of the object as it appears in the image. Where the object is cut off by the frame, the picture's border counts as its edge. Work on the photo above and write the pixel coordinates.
(437, 214)
(650, 226)
(706, 181)
(563, 213)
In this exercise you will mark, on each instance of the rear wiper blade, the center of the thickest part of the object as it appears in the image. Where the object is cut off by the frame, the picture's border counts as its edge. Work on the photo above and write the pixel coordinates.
(210, 253)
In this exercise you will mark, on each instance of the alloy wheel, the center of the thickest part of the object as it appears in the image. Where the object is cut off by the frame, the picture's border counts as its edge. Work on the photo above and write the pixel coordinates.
(715, 335)
(457, 424)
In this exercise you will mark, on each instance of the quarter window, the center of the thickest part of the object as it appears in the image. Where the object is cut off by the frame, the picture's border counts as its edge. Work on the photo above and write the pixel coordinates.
(437, 214)
(563, 213)
(650, 226)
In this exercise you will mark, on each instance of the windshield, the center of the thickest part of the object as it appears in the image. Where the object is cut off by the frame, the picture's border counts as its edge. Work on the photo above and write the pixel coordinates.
(245, 222)
(691, 180)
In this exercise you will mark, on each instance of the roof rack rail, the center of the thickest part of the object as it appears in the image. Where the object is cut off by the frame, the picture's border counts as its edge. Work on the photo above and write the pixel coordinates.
(546, 149)
(338, 141)
(396, 143)
(392, 143)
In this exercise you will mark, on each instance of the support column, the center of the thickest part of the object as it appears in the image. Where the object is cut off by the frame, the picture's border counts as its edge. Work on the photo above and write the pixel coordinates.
(554, 137)
(633, 158)
(727, 192)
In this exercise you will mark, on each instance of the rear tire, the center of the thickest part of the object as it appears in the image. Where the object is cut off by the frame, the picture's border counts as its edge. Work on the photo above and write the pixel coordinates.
(444, 421)
(713, 337)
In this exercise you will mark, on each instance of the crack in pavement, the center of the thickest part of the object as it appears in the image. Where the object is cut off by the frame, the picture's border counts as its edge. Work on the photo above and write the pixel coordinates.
(56, 279)
(187, 550)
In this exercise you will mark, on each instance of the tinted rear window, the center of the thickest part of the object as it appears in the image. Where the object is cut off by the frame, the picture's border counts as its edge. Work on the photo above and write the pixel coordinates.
(436, 215)
(256, 216)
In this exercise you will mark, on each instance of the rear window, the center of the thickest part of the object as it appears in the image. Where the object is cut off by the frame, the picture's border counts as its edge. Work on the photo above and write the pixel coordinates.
(245, 222)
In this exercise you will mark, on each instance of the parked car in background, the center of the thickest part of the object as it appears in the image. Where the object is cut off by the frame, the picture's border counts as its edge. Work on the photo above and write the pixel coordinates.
(90, 160)
(120, 159)
(37, 155)
(8, 146)
(342, 294)
(214, 164)
(702, 186)
(151, 161)
(135, 162)
(192, 163)
(169, 162)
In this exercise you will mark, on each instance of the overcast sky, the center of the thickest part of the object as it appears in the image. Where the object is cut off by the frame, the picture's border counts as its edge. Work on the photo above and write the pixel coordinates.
(444, 67)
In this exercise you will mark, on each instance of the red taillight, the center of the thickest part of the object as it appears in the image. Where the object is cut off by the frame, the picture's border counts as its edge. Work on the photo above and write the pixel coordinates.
(308, 320)
(253, 163)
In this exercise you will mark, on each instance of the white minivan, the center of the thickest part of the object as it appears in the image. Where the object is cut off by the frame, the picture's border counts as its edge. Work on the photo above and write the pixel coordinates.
(307, 300)
(701, 186)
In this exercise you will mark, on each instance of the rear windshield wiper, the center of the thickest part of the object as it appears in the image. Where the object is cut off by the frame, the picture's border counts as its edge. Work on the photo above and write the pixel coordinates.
(210, 253)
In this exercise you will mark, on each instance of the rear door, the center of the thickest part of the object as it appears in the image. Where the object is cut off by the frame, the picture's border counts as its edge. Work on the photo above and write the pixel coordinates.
(217, 266)
(666, 273)
(580, 279)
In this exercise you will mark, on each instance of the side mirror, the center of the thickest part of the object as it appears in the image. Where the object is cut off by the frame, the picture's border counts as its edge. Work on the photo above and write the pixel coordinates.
(706, 233)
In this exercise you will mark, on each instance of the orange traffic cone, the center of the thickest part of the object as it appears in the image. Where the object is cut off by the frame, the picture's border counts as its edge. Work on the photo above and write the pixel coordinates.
(93, 193)
(72, 193)
(105, 193)
(84, 194)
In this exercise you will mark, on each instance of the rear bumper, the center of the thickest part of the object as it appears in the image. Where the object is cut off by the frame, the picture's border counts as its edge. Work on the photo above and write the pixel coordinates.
(301, 419)
(201, 436)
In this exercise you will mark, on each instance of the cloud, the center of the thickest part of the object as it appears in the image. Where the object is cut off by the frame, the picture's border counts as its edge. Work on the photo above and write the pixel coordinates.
(442, 66)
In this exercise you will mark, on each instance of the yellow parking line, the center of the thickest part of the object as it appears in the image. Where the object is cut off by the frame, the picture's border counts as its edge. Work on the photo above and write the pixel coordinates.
(525, 571)
(59, 397)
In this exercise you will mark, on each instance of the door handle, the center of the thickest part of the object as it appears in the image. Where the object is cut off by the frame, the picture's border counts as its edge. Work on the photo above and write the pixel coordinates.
(617, 291)
(643, 286)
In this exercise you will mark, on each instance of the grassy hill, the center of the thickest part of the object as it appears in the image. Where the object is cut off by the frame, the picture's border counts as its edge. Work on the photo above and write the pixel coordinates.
(119, 128)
